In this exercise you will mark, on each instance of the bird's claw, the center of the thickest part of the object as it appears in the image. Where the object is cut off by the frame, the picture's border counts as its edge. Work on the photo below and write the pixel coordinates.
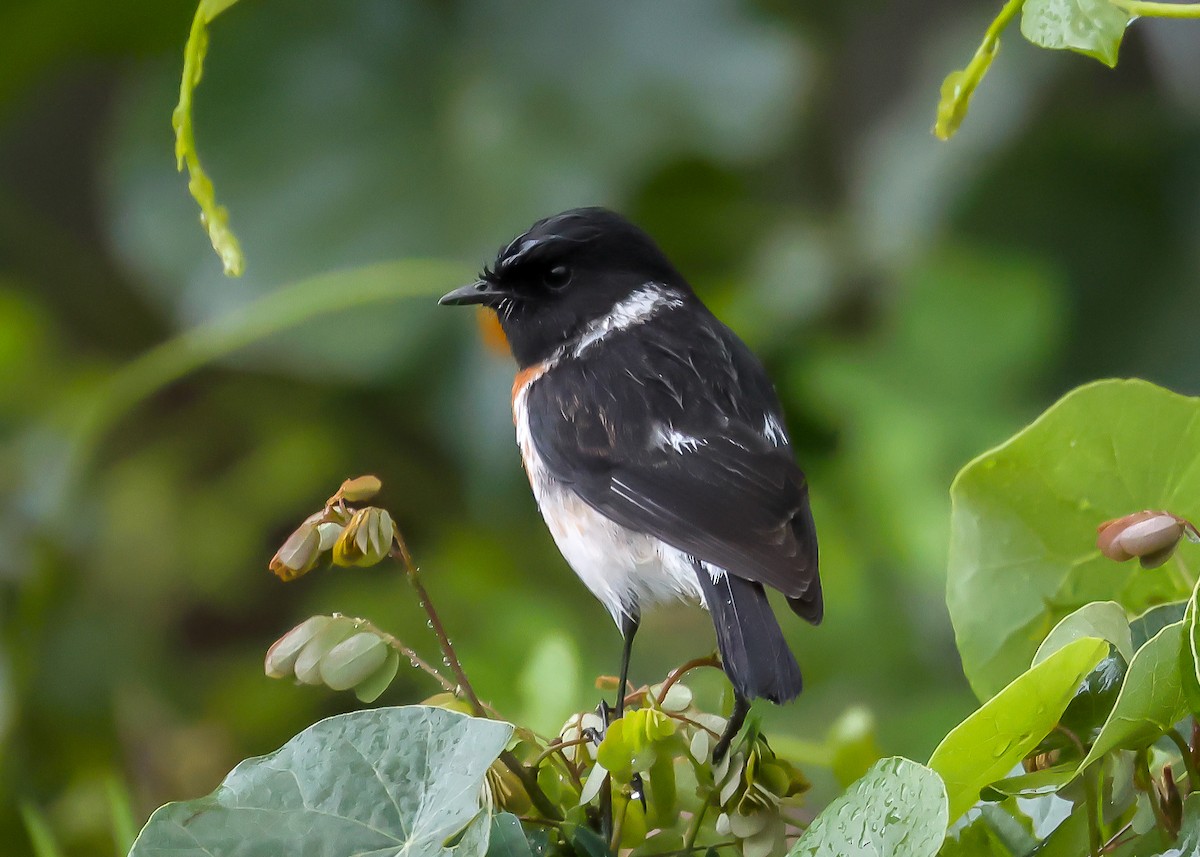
(638, 790)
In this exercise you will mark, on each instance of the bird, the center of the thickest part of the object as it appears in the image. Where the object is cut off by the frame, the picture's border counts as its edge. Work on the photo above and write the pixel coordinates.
(655, 444)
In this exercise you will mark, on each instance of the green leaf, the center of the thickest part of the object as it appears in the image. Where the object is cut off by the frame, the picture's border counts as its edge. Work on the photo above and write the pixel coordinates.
(1092, 704)
(1090, 27)
(390, 780)
(1024, 518)
(985, 746)
(1044, 782)
(508, 838)
(898, 808)
(1151, 701)
(1147, 625)
(1103, 620)
(976, 839)
(214, 217)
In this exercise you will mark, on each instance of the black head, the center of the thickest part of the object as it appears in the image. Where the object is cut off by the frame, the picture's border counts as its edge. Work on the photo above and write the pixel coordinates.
(567, 272)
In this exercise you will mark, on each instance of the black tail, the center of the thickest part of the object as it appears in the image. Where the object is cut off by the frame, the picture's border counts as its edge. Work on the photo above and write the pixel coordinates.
(755, 655)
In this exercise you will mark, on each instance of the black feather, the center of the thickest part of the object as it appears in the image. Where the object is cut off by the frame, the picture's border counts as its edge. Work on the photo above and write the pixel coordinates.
(753, 652)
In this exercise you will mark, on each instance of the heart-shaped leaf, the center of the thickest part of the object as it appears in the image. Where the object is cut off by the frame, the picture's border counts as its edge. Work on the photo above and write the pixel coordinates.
(898, 808)
(1023, 526)
(401, 781)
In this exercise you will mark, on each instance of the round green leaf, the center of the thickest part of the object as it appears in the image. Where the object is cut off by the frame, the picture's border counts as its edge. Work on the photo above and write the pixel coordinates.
(985, 747)
(389, 781)
(508, 839)
(1151, 701)
(1091, 27)
(1103, 620)
(1023, 527)
(897, 809)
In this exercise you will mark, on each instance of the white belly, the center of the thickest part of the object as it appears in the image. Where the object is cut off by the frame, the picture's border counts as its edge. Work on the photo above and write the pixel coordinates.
(625, 570)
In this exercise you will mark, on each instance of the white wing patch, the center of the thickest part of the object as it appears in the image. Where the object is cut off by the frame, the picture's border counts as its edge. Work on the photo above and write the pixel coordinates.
(773, 431)
(666, 436)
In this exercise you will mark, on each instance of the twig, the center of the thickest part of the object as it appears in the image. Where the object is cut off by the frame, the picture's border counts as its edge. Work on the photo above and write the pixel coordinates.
(1113, 843)
(555, 747)
(689, 838)
(415, 659)
(507, 757)
(400, 551)
(677, 673)
(1186, 753)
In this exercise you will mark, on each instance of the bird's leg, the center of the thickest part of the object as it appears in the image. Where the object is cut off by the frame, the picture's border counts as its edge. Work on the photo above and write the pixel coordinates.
(629, 626)
(741, 707)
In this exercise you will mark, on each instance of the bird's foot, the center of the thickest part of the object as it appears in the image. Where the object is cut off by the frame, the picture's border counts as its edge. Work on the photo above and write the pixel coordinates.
(741, 707)
(637, 790)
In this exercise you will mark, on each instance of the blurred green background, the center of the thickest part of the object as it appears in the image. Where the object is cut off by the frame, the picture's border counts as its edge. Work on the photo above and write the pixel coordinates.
(915, 302)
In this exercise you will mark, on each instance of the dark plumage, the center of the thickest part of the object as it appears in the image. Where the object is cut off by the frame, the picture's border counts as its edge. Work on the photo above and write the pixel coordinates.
(654, 440)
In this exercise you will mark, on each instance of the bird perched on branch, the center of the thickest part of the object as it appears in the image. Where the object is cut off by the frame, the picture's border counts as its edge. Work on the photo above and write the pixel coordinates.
(654, 443)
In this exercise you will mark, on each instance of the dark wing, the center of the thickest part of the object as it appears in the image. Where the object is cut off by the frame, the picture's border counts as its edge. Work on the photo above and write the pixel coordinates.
(677, 432)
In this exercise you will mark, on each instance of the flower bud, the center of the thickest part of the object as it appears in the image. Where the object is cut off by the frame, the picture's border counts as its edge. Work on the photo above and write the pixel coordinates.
(360, 488)
(1152, 536)
(280, 661)
(308, 662)
(353, 660)
(366, 540)
(299, 552)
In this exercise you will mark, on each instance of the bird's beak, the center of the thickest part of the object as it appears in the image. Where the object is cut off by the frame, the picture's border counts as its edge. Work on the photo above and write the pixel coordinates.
(478, 292)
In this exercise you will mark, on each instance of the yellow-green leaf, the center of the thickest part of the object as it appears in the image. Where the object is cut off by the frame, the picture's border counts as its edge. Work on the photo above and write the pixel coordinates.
(984, 747)
(214, 217)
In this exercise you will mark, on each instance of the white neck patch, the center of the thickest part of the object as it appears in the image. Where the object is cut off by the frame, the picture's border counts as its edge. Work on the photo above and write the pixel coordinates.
(638, 308)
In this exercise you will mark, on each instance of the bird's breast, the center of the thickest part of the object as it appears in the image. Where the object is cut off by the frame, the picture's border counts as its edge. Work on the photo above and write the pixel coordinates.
(624, 569)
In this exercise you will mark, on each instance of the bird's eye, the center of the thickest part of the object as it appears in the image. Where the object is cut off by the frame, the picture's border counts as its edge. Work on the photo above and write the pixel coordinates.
(557, 277)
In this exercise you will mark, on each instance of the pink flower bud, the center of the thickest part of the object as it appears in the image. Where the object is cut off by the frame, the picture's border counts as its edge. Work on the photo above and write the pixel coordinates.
(1150, 535)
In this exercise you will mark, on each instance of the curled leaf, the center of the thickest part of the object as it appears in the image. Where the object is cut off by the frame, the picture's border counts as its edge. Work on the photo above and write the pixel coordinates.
(959, 85)
(360, 488)
(214, 217)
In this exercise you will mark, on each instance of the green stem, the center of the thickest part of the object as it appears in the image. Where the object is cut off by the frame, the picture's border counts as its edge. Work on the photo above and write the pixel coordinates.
(413, 658)
(960, 86)
(1151, 792)
(281, 310)
(1091, 786)
(689, 838)
(1158, 10)
(1188, 762)
(618, 822)
(507, 758)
